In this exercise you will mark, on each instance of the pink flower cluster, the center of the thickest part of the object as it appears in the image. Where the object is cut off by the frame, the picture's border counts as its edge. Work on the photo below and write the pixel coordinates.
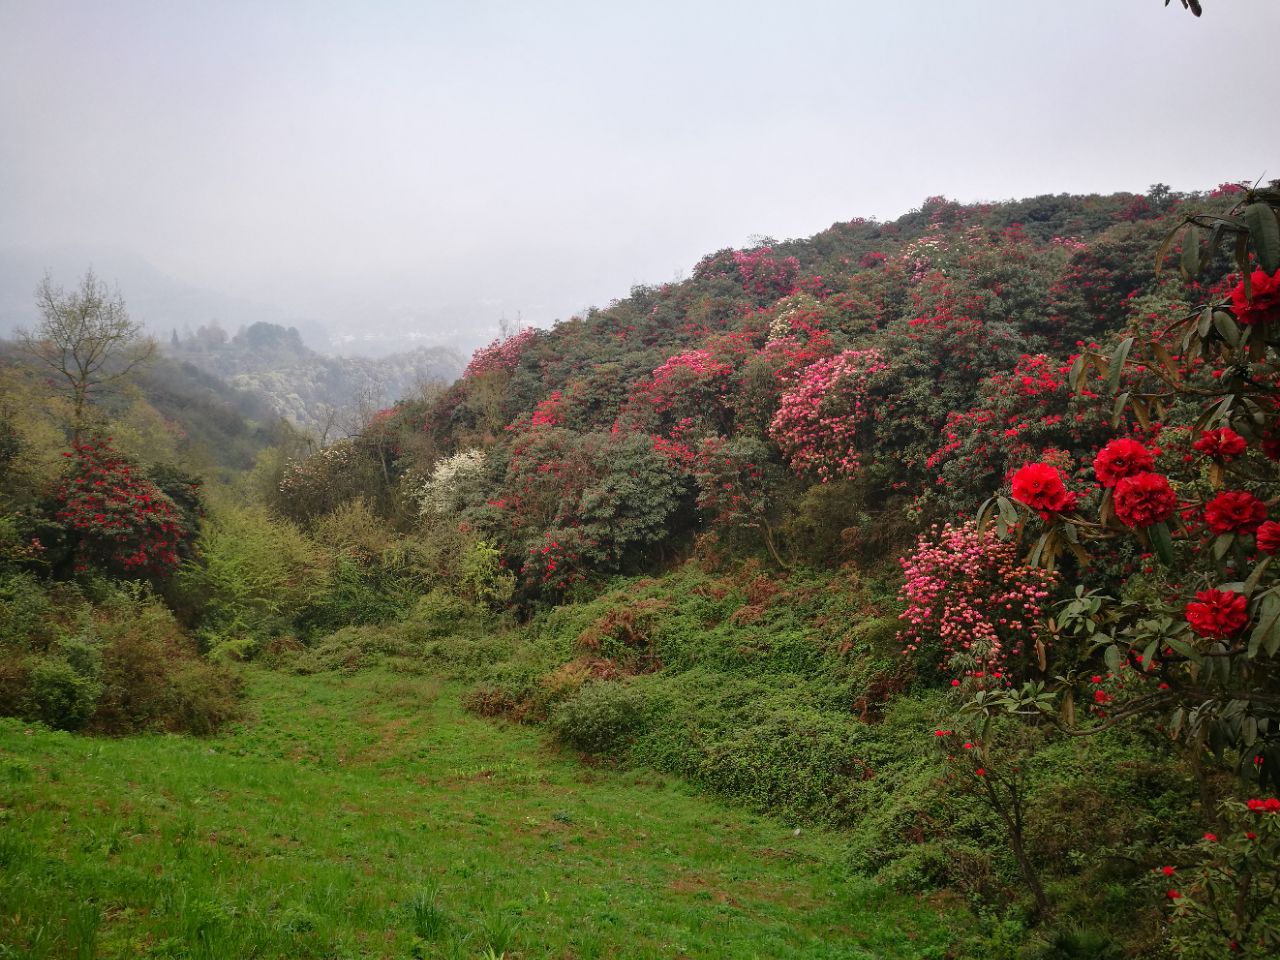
(970, 592)
(817, 422)
(677, 375)
(764, 274)
(501, 355)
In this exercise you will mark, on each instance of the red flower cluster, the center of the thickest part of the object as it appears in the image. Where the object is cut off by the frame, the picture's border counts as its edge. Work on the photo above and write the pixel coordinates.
(1040, 487)
(1218, 614)
(1121, 458)
(1269, 537)
(119, 519)
(1265, 305)
(1235, 511)
(1144, 499)
(1269, 805)
(1223, 443)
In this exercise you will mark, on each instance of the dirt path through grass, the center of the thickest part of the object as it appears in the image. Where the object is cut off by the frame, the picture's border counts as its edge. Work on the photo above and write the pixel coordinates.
(367, 816)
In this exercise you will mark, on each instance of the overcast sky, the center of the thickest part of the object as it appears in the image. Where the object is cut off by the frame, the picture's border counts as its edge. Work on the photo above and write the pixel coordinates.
(365, 163)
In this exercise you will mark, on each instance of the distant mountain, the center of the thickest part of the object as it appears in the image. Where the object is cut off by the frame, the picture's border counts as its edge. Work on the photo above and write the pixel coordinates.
(306, 387)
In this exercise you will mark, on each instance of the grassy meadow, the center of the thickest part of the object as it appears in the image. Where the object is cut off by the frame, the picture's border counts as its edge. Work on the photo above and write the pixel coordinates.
(367, 815)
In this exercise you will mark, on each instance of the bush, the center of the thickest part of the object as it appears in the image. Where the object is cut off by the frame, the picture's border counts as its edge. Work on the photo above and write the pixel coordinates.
(58, 696)
(602, 718)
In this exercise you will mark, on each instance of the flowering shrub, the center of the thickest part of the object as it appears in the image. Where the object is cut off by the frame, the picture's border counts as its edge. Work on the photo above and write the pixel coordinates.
(118, 520)
(315, 485)
(1224, 890)
(455, 483)
(500, 356)
(967, 593)
(766, 275)
(818, 420)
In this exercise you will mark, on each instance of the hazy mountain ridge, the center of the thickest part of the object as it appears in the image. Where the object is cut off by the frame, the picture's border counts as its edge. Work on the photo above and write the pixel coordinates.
(305, 387)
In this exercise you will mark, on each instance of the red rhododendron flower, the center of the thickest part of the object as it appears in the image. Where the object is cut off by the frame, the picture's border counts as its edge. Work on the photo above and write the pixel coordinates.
(1144, 499)
(1218, 614)
(1269, 537)
(1121, 458)
(1040, 487)
(1265, 305)
(1223, 442)
(1235, 511)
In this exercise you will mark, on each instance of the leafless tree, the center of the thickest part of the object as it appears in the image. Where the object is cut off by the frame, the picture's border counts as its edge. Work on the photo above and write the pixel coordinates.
(87, 339)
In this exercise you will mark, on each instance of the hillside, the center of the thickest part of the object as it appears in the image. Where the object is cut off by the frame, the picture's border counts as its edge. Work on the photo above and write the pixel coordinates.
(946, 541)
(307, 388)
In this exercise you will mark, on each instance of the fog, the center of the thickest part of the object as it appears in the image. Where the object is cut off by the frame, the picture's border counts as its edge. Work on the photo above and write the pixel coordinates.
(435, 167)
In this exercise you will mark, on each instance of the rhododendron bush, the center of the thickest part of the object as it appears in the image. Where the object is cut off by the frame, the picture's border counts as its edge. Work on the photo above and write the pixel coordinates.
(819, 418)
(1190, 645)
(117, 520)
(974, 605)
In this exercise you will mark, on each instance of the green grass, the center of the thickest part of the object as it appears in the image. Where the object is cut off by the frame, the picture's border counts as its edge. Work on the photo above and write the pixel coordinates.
(367, 816)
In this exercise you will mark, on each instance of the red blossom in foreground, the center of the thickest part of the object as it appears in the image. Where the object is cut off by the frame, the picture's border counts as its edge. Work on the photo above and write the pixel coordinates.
(1144, 499)
(1218, 614)
(1265, 305)
(1040, 487)
(1269, 805)
(1269, 537)
(1235, 511)
(1121, 458)
(1223, 443)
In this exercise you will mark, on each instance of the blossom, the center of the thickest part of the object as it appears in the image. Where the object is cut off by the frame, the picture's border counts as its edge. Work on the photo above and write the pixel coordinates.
(1040, 487)
(1269, 537)
(1270, 805)
(1218, 614)
(1223, 442)
(1265, 305)
(1121, 458)
(1235, 511)
(1144, 499)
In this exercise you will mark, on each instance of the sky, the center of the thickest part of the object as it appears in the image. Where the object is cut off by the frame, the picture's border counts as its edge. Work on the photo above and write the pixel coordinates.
(387, 166)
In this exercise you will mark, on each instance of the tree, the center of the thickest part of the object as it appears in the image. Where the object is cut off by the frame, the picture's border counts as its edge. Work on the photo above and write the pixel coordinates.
(87, 338)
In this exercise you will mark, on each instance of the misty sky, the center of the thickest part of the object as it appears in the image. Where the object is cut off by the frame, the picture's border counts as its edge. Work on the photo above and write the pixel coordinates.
(366, 163)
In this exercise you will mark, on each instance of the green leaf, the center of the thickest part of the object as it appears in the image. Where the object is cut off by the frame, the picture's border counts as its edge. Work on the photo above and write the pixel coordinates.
(984, 513)
(1265, 635)
(1190, 263)
(1225, 324)
(1255, 577)
(1117, 411)
(1117, 364)
(1222, 544)
(1264, 233)
(1162, 542)
(1077, 375)
(1183, 648)
(1205, 323)
(1008, 512)
(1112, 658)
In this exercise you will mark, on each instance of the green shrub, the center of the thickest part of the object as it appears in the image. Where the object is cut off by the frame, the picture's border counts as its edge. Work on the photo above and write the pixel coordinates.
(601, 718)
(25, 612)
(254, 577)
(58, 696)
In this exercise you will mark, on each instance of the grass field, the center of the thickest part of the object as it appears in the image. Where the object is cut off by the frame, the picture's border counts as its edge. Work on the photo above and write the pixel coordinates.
(366, 815)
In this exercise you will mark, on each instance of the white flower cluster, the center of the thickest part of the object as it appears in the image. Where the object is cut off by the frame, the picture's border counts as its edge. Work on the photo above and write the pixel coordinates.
(788, 307)
(454, 483)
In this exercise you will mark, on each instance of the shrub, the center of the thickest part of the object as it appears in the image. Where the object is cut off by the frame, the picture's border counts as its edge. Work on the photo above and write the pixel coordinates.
(59, 696)
(601, 718)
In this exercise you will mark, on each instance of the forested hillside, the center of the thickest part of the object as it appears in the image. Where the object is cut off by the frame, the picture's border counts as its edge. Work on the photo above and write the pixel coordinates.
(950, 536)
